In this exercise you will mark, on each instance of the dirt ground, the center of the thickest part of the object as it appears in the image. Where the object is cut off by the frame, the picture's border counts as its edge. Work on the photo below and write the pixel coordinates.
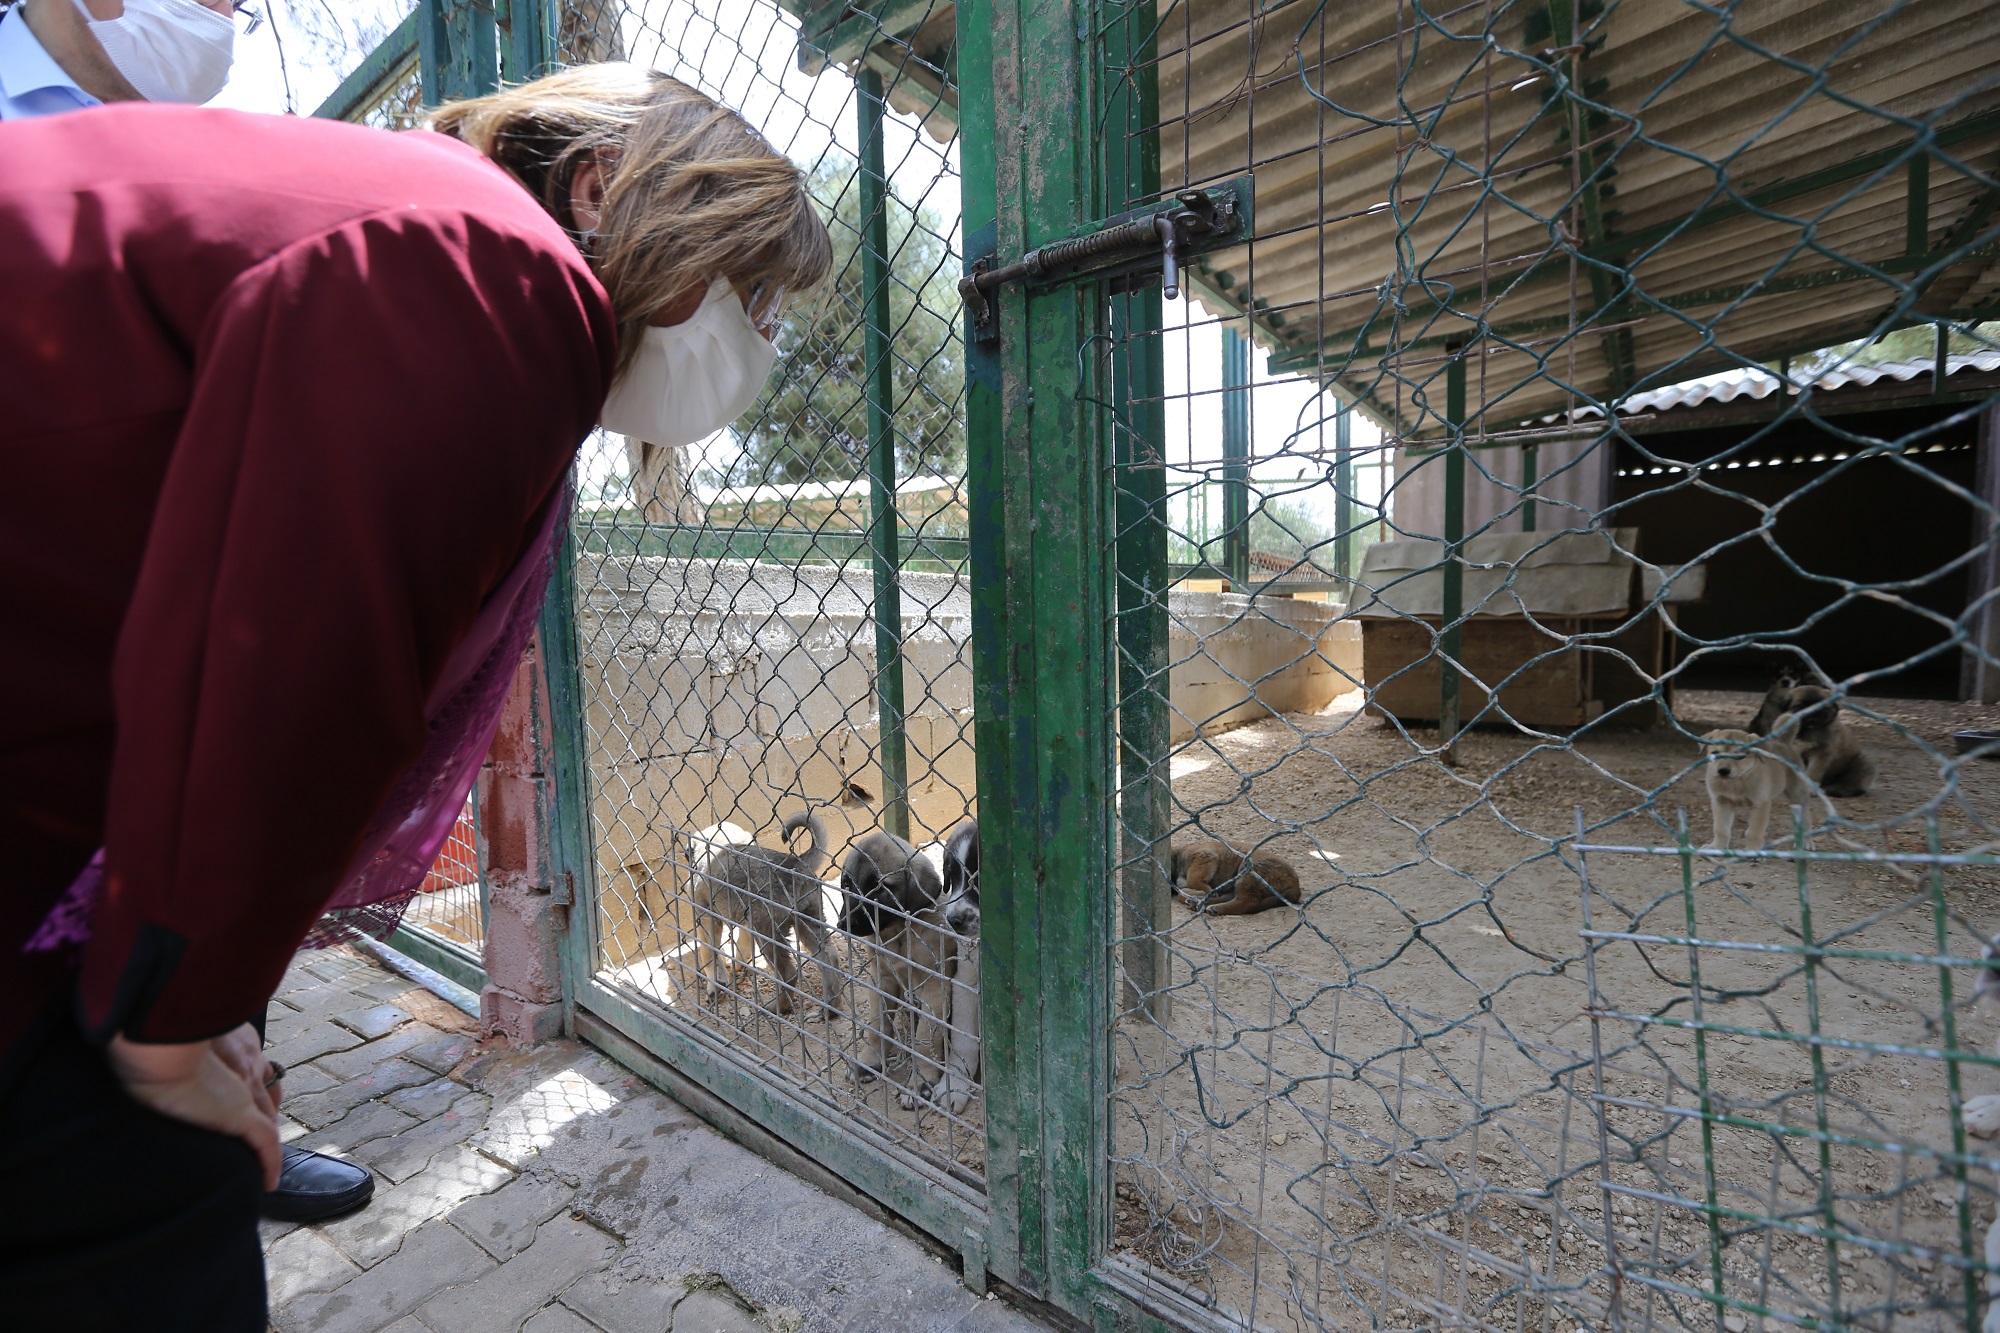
(1382, 1106)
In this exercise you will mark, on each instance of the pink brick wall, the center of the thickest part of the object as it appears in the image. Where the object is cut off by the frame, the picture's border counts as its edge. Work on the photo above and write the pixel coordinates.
(522, 1002)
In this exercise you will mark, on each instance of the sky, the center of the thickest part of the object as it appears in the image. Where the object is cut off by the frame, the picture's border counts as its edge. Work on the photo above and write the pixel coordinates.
(745, 53)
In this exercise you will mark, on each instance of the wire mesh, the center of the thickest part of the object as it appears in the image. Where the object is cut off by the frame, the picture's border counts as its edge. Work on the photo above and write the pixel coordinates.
(450, 905)
(773, 624)
(1662, 324)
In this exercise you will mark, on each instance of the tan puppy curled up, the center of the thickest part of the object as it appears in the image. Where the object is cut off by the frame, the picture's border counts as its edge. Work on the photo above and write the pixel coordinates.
(1218, 879)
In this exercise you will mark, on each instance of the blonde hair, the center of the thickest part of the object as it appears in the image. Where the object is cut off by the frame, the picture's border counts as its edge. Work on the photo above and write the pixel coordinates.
(692, 191)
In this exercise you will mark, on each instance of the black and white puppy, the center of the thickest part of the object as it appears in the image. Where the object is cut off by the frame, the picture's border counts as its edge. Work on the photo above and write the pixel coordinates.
(890, 899)
(961, 913)
(961, 879)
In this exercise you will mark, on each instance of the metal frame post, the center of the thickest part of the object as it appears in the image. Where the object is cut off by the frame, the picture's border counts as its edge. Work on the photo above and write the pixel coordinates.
(529, 46)
(1236, 457)
(458, 50)
(878, 377)
(1343, 493)
(1139, 431)
(1452, 640)
(1530, 478)
(1043, 591)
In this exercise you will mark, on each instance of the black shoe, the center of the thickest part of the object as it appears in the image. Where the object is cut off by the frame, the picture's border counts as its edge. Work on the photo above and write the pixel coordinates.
(313, 1187)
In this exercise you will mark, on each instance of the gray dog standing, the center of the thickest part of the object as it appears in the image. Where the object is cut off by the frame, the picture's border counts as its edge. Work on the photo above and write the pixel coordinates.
(890, 905)
(774, 894)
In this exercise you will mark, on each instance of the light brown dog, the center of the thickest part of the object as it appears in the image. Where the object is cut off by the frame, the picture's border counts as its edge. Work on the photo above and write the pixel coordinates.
(1215, 878)
(1750, 777)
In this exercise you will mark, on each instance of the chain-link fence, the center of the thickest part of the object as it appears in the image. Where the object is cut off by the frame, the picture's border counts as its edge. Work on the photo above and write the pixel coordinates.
(773, 626)
(1669, 317)
(449, 910)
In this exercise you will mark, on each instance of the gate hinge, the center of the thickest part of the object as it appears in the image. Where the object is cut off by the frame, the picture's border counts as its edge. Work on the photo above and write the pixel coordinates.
(1130, 250)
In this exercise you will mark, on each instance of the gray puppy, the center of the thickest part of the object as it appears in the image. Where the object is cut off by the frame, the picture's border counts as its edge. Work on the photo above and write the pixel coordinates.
(775, 894)
(890, 906)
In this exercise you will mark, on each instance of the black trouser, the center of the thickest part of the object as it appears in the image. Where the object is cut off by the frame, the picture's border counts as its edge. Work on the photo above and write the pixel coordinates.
(116, 1217)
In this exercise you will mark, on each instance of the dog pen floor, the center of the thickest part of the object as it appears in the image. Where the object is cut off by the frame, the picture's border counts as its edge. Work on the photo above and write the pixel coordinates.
(1296, 1137)
(818, 1057)
(553, 1191)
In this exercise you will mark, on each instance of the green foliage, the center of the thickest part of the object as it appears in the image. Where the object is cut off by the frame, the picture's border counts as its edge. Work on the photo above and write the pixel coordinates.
(812, 422)
(1291, 528)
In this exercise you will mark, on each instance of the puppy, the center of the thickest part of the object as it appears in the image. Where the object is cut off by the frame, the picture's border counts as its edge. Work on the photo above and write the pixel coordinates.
(1777, 702)
(955, 1091)
(1834, 759)
(889, 904)
(1749, 776)
(1982, 1117)
(1218, 879)
(774, 894)
(698, 852)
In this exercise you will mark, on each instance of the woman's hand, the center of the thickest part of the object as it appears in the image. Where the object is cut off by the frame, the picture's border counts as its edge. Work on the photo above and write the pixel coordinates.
(217, 1085)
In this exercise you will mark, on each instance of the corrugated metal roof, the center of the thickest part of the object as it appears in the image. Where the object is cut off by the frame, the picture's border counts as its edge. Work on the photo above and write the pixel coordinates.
(1363, 131)
(1729, 385)
(1413, 179)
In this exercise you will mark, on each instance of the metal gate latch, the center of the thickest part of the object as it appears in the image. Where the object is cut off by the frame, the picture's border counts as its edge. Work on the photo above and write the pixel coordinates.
(1129, 251)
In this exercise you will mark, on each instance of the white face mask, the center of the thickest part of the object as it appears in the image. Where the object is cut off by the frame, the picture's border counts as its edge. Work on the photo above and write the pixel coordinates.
(689, 381)
(169, 50)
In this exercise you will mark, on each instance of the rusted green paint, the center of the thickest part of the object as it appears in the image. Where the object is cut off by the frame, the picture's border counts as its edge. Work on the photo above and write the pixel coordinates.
(1050, 827)
(379, 71)
(1006, 926)
(528, 38)
(458, 50)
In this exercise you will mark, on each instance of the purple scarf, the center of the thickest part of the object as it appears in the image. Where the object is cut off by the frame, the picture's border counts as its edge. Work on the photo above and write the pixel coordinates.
(414, 820)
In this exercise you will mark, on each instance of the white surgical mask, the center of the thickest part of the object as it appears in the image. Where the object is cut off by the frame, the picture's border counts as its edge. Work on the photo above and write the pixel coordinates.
(169, 50)
(689, 381)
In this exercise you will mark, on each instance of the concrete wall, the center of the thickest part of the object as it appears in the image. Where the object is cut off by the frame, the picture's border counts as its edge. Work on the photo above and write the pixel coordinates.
(726, 690)
(1237, 659)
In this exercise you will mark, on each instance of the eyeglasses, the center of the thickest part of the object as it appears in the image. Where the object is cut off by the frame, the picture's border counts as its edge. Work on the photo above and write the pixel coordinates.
(766, 307)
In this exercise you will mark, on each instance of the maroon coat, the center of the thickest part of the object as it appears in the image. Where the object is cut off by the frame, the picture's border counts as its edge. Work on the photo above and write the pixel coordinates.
(278, 400)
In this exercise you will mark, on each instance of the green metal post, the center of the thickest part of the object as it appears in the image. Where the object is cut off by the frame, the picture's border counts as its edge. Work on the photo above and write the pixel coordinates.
(528, 44)
(1343, 493)
(1048, 832)
(458, 50)
(880, 383)
(1236, 457)
(1530, 475)
(379, 72)
(1002, 659)
(1453, 638)
(1139, 425)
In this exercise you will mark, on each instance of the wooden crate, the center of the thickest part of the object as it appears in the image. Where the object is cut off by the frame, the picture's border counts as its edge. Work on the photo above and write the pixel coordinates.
(1549, 681)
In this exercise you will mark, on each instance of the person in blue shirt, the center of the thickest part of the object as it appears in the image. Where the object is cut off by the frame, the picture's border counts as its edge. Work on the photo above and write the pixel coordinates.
(66, 55)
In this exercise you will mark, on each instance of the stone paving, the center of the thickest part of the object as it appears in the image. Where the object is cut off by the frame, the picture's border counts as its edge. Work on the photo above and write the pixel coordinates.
(551, 1191)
